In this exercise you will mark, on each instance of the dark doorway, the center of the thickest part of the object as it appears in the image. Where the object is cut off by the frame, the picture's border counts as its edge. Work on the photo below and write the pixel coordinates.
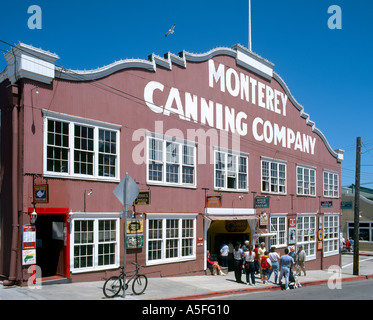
(230, 239)
(50, 245)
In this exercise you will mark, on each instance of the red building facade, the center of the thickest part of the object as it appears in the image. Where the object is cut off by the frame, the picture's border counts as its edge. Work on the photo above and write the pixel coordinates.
(219, 148)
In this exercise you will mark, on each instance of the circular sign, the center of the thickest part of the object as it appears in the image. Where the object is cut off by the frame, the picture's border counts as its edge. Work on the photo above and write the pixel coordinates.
(320, 235)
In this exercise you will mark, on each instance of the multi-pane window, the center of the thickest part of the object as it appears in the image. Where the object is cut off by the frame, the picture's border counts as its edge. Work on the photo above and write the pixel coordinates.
(57, 146)
(231, 171)
(83, 150)
(278, 226)
(331, 184)
(107, 153)
(331, 234)
(76, 147)
(95, 243)
(273, 176)
(83, 244)
(171, 162)
(306, 234)
(306, 181)
(155, 236)
(365, 231)
(170, 239)
(107, 236)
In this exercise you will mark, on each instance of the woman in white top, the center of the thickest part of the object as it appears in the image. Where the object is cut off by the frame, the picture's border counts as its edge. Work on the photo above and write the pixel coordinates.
(249, 257)
(275, 258)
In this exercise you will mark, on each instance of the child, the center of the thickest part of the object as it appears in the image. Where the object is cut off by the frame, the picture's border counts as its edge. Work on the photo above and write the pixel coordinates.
(266, 265)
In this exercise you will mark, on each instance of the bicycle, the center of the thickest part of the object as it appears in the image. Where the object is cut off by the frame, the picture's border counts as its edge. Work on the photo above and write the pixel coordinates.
(114, 284)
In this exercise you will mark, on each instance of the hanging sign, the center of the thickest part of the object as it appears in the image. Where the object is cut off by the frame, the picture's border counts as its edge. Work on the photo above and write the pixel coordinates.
(143, 199)
(41, 194)
(134, 226)
(134, 241)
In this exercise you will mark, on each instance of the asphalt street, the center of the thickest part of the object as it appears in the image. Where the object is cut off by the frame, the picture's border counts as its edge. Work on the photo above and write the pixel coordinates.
(355, 290)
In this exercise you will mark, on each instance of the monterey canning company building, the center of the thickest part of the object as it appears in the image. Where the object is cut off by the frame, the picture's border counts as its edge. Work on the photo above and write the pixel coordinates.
(219, 148)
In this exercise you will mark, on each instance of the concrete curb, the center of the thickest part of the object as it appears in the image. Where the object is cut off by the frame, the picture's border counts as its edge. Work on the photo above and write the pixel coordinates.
(254, 289)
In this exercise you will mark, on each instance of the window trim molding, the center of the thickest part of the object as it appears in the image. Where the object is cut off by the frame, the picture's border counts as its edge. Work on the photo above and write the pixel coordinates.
(164, 217)
(334, 252)
(182, 143)
(96, 125)
(95, 216)
(323, 183)
(277, 216)
(238, 154)
(302, 215)
(298, 165)
(278, 162)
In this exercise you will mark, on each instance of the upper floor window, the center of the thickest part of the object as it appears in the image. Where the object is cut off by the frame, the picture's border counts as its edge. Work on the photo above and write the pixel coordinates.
(273, 176)
(306, 181)
(171, 162)
(231, 171)
(81, 148)
(331, 184)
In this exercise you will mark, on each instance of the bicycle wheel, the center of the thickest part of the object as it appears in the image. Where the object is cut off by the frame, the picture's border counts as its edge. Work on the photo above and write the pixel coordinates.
(139, 284)
(112, 286)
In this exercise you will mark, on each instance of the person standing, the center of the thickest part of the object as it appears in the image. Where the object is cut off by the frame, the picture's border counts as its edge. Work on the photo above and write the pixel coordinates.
(301, 259)
(249, 257)
(261, 252)
(274, 257)
(224, 255)
(237, 260)
(256, 260)
(266, 265)
(286, 263)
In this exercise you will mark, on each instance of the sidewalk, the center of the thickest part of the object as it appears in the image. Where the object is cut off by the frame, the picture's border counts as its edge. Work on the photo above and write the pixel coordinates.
(175, 288)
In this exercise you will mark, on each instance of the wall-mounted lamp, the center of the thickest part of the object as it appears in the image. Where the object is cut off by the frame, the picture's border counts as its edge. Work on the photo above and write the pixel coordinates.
(89, 194)
(33, 216)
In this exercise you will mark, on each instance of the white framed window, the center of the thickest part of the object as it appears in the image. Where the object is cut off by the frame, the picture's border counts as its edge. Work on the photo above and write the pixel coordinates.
(306, 181)
(94, 242)
(231, 170)
(331, 234)
(306, 234)
(273, 176)
(331, 184)
(170, 238)
(171, 161)
(365, 231)
(80, 148)
(278, 226)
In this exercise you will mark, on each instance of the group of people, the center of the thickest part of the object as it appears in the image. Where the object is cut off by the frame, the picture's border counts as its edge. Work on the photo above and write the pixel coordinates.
(259, 261)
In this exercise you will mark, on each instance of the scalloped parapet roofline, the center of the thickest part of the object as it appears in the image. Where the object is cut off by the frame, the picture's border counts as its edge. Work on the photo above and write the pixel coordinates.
(37, 64)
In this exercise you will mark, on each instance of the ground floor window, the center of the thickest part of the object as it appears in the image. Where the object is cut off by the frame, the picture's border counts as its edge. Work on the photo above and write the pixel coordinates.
(365, 231)
(306, 234)
(331, 234)
(94, 243)
(278, 226)
(170, 238)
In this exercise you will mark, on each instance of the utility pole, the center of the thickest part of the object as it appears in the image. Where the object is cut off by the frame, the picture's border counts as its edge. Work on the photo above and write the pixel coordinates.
(357, 208)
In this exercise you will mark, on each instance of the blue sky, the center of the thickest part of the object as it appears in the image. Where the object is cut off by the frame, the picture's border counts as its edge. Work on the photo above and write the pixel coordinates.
(329, 72)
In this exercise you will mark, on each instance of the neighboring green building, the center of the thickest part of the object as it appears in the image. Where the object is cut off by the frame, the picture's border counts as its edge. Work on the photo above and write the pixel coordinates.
(366, 216)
